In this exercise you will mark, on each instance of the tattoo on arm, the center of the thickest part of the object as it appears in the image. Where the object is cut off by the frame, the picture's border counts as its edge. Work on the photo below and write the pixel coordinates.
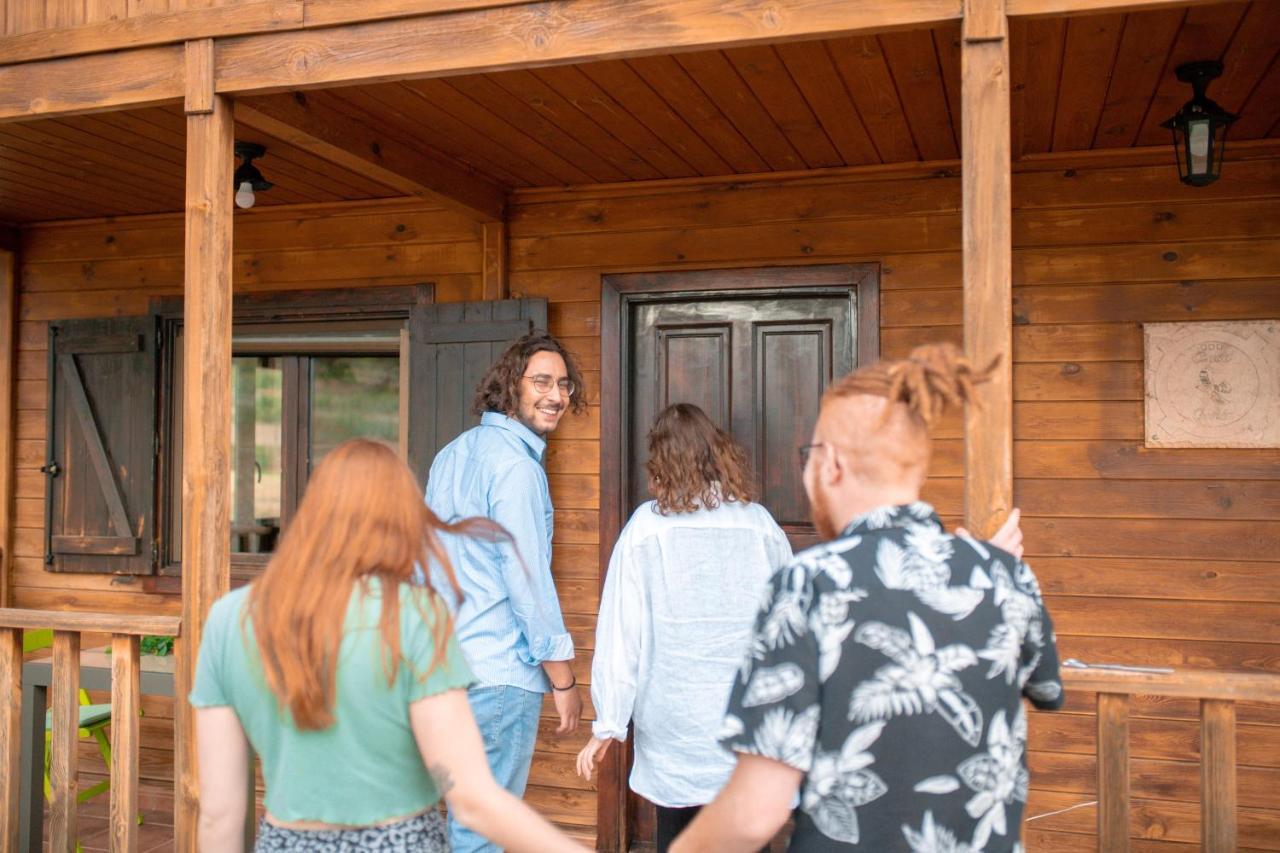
(441, 776)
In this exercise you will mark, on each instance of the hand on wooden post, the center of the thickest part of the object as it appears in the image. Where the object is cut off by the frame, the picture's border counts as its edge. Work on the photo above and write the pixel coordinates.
(1008, 537)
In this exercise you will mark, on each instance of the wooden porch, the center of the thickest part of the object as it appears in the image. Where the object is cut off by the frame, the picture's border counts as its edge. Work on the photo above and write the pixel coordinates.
(1000, 164)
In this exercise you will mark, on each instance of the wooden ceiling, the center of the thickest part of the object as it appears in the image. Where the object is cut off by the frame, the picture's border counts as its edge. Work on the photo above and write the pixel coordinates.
(1079, 83)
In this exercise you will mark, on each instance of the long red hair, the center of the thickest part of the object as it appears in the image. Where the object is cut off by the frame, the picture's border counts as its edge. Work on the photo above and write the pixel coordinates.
(362, 517)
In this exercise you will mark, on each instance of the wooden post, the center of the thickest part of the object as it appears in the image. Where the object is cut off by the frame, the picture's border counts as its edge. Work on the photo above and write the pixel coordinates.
(8, 423)
(494, 274)
(64, 758)
(206, 421)
(126, 702)
(988, 260)
(10, 735)
(1113, 772)
(1217, 776)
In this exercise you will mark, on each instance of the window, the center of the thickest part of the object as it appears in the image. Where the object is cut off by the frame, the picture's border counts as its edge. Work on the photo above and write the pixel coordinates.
(309, 370)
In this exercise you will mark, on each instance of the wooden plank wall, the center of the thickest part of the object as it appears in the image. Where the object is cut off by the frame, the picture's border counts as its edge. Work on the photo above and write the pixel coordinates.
(27, 16)
(1165, 557)
(1157, 557)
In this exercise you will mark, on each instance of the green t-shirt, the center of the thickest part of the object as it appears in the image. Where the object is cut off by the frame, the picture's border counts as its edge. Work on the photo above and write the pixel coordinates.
(366, 767)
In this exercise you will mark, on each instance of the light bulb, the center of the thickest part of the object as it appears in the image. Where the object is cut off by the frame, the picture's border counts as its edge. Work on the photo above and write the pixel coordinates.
(244, 195)
(1198, 146)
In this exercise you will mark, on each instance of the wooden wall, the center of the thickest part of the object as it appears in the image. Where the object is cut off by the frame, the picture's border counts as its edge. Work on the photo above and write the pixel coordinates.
(1164, 557)
(26, 16)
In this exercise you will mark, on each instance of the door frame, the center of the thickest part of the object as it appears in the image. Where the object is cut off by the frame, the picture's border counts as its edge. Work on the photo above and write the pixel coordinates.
(617, 292)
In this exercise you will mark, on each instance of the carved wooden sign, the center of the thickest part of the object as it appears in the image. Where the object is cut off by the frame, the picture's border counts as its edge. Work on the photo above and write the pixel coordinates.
(1212, 384)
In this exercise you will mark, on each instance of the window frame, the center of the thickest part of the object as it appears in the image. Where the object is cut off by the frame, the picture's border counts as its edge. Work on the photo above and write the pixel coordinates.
(297, 314)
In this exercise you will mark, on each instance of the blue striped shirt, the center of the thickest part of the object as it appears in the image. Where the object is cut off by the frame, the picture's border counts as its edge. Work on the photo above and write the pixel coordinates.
(509, 619)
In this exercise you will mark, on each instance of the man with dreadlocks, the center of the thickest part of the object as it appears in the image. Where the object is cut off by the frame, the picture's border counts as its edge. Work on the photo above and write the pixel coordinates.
(885, 676)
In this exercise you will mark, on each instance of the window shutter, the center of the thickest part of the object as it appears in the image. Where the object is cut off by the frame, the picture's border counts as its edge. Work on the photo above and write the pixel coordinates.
(101, 446)
(451, 345)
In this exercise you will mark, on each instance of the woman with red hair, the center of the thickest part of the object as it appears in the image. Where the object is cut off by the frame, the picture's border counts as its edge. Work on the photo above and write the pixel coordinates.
(342, 671)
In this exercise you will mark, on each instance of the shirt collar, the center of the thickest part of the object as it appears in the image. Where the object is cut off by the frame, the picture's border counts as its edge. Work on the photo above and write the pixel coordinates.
(535, 442)
(889, 516)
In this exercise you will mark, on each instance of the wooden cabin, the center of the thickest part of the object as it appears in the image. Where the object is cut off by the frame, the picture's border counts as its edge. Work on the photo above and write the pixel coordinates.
(727, 202)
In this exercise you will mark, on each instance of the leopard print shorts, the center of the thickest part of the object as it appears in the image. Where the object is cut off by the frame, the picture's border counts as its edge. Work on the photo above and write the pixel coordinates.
(424, 833)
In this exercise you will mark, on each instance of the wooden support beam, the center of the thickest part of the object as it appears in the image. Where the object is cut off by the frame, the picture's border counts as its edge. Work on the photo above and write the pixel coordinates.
(87, 84)
(987, 241)
(1113, 772)
(1217, 776)
(494, 273)
(414, 169)
(206, 434)
(8, 419)
(199, 80)
(1070, 8)
(64, 759)
(126, 706)
(10, 735)
(546, 33)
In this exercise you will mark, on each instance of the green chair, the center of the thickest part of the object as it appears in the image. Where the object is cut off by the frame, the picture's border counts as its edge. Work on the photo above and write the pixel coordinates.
(94, 720)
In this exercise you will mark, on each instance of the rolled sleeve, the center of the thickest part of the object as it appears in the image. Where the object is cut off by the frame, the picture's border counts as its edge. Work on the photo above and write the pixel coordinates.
(521, 503)
(615, 665)
(775, 709)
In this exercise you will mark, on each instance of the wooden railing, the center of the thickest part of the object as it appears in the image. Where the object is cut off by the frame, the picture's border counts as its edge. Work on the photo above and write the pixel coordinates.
(125, 631)
(1218, 692)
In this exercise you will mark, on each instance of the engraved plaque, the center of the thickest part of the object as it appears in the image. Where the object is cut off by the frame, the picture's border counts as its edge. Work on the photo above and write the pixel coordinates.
(1212, 384)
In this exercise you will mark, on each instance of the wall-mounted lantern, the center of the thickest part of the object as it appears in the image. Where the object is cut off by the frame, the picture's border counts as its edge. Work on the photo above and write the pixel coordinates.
(1200, 127)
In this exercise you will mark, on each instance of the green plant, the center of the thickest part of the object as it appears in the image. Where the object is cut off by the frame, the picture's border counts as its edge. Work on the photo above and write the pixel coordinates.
(159, 646)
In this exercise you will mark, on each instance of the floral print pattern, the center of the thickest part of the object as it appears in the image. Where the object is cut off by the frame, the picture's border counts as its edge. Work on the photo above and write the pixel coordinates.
(890, 665)
(424, 833)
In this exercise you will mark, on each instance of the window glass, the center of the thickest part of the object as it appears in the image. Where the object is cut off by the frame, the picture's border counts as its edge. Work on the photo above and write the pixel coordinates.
(353, 396)
(257, 471)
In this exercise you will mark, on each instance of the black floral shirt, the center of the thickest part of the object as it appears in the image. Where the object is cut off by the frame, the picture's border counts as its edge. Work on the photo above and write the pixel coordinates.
(889, 665)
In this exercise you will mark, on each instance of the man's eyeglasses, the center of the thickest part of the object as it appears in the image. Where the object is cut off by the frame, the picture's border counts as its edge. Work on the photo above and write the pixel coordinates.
(544, 383)
(805, 449)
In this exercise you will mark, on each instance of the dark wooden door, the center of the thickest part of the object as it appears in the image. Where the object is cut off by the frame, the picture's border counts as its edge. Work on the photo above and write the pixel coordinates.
(757, 363)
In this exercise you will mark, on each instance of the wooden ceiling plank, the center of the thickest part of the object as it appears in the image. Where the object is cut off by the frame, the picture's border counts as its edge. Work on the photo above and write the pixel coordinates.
(1087, 61)
(621, 81)
(913, 62)
(1036, 63)
(495, 128)
(545, 33)
(946, 43)
(1262, 110)
(52, 140)
(715, 75)
(424, 119)
(569, 118)
(763, 70)
(583, 93)
(79, 181)
(313, 178)
(39, 190)
(333, 137)
(1147, 39)
(1205, 34)
(1250, 54)
(484, 90)
(1039, 9)
(88, 83)
(665, 76)
(814, 72)
(866, 76)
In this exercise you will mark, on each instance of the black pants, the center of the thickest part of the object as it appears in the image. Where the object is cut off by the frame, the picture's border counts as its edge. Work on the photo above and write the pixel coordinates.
(671, 822)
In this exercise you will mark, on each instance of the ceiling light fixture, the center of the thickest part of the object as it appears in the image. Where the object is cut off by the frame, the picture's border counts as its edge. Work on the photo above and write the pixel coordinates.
(247, 179)
(1200, 127)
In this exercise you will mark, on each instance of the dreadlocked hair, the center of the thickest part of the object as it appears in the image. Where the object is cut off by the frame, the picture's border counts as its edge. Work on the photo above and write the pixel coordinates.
(928, 381)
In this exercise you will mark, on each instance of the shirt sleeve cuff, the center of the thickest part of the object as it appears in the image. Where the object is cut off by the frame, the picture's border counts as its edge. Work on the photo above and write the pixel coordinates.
(553, 647)
(605, 730)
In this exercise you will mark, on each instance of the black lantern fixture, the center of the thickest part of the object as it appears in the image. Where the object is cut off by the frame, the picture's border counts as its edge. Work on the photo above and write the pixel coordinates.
(1200, 127)
(247, 179)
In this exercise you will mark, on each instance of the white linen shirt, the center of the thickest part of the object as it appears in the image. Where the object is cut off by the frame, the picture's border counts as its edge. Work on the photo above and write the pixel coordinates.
(679, 603)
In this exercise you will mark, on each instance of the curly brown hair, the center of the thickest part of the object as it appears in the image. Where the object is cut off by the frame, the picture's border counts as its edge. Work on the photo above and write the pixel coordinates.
(499, 390)
(693, 463)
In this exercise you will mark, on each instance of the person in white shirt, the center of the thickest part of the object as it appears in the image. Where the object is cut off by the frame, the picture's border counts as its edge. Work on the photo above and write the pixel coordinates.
(684, 584)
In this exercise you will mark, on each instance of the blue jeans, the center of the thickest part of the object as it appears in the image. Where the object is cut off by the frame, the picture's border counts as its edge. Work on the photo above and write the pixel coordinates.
(508, 721)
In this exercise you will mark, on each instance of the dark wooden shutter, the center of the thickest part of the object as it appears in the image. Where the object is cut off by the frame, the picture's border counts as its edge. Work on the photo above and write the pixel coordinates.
(101, 446)
(451, 345)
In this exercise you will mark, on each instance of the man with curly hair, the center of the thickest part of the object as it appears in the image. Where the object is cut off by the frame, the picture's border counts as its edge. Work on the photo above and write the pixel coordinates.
(509, 621)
